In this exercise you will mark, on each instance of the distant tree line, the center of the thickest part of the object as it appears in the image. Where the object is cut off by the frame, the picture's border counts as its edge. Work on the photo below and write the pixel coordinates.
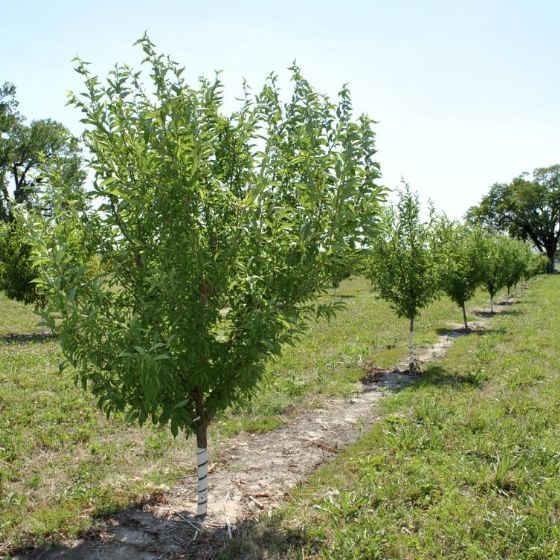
(26, 150)
(527, 208)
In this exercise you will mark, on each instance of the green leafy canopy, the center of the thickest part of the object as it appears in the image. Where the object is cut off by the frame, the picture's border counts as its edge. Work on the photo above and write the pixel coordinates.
(403, 266)
(528, 208)
(459, 251)
(497, 254)
(212, 235)
(25, 152)
(17, 273)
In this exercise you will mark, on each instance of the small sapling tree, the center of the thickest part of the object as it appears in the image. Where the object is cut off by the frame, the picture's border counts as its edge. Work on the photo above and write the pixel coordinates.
(402, 266)
(518, 257)
(214, 235)
(459, 256)
(495, 263)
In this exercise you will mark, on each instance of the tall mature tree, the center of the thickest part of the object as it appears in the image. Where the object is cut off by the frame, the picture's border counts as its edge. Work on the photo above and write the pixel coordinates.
(403, 266)
(32, 146)
(214, 234)
(8, 106)
(527, 208)
(9, 120)
(25, 149)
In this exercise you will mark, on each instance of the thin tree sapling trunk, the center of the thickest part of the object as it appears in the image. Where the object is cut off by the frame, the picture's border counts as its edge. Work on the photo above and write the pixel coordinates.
(202, 420)
(411, 362)
(202, 470)
(465, 316)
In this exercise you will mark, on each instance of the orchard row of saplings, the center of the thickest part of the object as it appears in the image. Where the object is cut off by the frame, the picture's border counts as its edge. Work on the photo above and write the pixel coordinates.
(206, 240)
(413, 262)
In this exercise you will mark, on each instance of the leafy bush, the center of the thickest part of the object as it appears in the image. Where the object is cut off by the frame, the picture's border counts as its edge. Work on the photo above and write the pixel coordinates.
(17, 271)
(459, 251)
(496, 264)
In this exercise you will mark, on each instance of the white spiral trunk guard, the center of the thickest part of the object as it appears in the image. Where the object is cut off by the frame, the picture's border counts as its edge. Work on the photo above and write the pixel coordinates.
(411, 349)
(202, 464)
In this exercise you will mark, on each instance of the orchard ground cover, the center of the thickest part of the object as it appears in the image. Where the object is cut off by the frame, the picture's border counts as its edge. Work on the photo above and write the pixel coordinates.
(463, 464)
(62, 463)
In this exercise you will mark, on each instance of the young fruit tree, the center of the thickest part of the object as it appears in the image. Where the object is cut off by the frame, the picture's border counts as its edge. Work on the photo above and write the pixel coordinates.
(213, 235)
(459, 255)
(518, 257)
(495, 264)
(402, 266)
(537, 263)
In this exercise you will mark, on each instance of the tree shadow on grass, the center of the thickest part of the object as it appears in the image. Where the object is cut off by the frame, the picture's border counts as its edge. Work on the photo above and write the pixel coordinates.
(490, 314)
(438, 375)
(266, 538)
(459, 332)
(26, 338)
(137, 534)
(342, 296)
(509, 301)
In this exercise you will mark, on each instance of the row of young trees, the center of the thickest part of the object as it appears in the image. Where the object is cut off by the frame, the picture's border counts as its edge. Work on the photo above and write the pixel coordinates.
(413, 261)
(208, 238)
(526, 208)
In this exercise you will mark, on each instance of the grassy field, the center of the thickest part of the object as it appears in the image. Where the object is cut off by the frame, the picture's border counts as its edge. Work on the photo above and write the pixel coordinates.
(62, 463)
(465, 464)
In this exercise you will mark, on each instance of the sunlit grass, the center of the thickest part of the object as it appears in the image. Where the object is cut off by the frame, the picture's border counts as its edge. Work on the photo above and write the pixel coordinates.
(464, 464)
(61, 462)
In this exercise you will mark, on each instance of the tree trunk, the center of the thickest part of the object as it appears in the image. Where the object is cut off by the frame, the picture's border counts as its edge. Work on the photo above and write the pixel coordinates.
(202, 469)
(491, 304)
(551, 254)
(5, 204)
(202, 423)
(465, 316)
(411, 363)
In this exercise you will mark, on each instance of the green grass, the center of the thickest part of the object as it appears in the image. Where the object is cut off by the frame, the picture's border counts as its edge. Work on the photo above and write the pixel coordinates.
(16, 318)
(62, 463)
(327, 360)
(464, 464)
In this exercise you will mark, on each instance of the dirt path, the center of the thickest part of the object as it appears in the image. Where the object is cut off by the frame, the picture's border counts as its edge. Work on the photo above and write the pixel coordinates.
(253, 474)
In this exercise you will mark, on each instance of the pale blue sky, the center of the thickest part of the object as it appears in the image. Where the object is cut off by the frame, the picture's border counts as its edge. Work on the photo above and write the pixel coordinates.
(466, 93)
